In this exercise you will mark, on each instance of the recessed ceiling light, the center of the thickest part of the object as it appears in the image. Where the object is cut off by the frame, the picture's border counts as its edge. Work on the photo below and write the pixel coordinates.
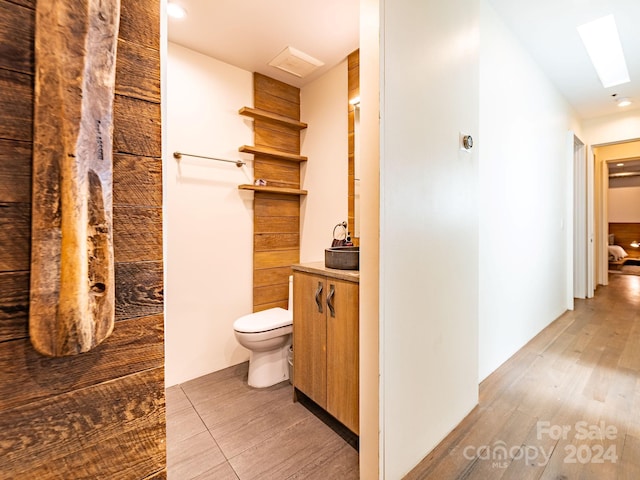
(619, 164)
(602, 42)
(624, 102)
(176, 11)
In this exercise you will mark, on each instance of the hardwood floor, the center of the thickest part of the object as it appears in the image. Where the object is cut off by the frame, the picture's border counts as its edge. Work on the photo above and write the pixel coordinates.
(220, 428)
(580, 377)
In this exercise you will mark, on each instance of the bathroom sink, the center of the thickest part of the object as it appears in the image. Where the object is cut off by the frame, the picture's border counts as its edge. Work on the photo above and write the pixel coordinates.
(342, 258)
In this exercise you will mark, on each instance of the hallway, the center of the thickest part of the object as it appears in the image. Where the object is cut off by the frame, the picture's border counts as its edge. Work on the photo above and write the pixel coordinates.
(565, 406)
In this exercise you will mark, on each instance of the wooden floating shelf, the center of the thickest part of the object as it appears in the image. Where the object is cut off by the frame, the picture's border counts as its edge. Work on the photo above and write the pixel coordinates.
(272, 117)
(273, 153)
(282, 190)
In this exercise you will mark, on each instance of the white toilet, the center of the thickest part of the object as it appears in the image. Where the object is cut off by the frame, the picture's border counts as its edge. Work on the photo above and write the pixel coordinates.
(267, 335)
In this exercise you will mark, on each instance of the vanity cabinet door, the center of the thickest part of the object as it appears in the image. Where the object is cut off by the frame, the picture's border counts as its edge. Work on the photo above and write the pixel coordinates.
(310, 336)
(342, 352)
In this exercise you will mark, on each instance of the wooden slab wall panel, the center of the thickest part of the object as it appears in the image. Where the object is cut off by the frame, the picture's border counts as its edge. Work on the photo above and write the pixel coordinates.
(16, 105)
(15, 233)
(266, 306)
(138, 72)
(276, 205)
(275, 241)
(37, 377)
(137, 233)
(100, 414)
(271, 276)
(139, 289)
(276, 97)
(273, 104)
(353, 79)
(140, 23)
(14, 305)
(278, 129)
(276, 217)
(105, 436)
(15, 171)
(280, 173)
(277, 224)
(16, 37)
(276, 291)
(137, 180)
(276, 258)
(267, 86)
(136, 127)
(276, 267)
(31, 4)
(280, 137)
(271, 293)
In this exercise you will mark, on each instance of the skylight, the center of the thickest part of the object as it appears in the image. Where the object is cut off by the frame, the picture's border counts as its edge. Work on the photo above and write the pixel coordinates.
(600, 38)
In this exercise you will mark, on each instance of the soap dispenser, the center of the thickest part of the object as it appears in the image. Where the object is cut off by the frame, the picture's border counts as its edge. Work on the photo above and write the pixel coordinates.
(348, 242)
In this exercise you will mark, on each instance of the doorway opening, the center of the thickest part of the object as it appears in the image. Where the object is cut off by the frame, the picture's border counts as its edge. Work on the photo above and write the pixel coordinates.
(604, 155)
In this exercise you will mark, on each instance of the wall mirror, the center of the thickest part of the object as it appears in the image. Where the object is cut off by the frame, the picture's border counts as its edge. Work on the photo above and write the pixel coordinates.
(354, 150)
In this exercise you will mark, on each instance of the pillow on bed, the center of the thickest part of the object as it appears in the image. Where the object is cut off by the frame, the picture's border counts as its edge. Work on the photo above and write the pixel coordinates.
(616, 253)
(612, 239)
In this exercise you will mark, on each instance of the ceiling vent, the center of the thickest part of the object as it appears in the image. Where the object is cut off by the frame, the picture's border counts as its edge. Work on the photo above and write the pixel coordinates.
(295, 62)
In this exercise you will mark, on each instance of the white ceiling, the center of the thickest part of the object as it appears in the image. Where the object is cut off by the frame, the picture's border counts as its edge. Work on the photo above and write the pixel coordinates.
(249, 33)
(547, 29)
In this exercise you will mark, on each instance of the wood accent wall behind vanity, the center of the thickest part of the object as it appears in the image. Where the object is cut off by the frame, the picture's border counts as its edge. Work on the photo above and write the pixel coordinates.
(100, 414)
(353, 61)
(276, 221)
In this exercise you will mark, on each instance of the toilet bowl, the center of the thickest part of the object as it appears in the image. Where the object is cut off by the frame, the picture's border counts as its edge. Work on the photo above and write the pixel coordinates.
(267, 336)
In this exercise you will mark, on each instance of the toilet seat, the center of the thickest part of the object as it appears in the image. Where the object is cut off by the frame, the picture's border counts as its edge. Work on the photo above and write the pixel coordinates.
(263, 321)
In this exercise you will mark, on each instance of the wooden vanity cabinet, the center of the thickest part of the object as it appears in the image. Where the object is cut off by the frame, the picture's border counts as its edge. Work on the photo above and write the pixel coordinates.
(325, 343)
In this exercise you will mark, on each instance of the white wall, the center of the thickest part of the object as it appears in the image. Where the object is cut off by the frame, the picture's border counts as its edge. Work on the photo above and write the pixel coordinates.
(624, 205)
(208, 221)
(613, 128)
(371, 458)
(523, 196)
(324, 107)
(428, 231)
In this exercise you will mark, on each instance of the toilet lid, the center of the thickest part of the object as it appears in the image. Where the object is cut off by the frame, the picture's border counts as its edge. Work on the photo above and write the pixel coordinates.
(263, 321)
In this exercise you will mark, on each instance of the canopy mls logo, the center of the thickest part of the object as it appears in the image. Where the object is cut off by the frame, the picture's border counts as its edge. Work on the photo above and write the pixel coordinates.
(587, 446)
(501, 455)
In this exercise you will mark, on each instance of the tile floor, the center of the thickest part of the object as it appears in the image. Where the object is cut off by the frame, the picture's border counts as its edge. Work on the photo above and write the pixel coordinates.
(220, 428)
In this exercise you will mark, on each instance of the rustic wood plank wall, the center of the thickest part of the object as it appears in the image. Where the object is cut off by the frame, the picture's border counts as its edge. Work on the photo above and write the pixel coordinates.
(353, 84)
(276, 216)
(100, 414)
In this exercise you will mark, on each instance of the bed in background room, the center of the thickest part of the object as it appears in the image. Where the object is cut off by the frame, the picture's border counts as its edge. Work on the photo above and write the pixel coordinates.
(623, 244)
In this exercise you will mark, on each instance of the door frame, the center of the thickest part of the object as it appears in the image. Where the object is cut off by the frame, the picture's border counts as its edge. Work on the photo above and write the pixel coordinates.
(601, 214)
(579, 233)
(580, 225)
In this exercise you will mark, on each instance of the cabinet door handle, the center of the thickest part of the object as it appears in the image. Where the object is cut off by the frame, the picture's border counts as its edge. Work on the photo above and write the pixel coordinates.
(318, 299)
(332, 292)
